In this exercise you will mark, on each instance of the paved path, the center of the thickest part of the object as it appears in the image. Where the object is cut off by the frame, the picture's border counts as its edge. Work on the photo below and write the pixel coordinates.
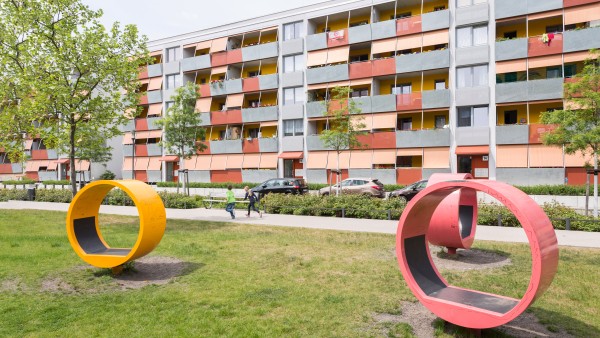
(486, 233)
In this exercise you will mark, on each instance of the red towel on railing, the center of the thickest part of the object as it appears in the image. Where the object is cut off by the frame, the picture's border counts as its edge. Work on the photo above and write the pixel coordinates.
(550, 38)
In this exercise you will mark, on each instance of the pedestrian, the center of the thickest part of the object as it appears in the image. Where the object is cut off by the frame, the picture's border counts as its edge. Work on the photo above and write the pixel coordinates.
(230, 202)
(251, 197)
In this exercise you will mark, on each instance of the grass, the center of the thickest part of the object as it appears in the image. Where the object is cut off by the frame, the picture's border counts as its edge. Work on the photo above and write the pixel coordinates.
(250, 281)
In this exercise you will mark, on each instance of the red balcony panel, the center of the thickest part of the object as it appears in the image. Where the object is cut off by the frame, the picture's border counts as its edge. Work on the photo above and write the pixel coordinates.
(6, 168)
(382, 140)
(218, 59)
(250, 146)
(384, 67)
(204, 90)
(234, 56)
(226, 176)
(33, 175)
(537, 130)
(226, 117)
(337, 38)
(141, 124)
(206, 151)
(144, 99)
(250, 85)
(572, 3)
(538, 48)
(575, 176)
(408, 175)
(141, 150)
(359, 70)
(331, 177)
(141, 175)
(143, 74)
(411, 25)
(40, 154)
(407, 102)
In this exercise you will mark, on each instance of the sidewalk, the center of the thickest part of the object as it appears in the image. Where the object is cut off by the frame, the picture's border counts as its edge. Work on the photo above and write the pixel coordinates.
(485, 233)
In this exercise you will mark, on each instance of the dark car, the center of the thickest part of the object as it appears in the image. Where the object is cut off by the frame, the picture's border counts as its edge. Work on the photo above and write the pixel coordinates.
(410, 191)
(281, 186)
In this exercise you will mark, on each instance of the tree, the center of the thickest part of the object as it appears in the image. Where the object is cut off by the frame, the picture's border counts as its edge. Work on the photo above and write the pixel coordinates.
(65, 78)
(182, 125)
(577, 126)
(344, 126)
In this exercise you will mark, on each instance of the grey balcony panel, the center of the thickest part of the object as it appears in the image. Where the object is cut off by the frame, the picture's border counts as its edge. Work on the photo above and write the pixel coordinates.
(315, 109)
(269, 50)
(383, 30)
(535, 6)
(168, 94)
(17, 168)
(218, 88)
(512, 134)
(511, 92)
(154, 176)
(197, 62)
(511, 49)
(316, 175)
(270, 81)
(52, 155)
(259, 114)
(509, 8)
(233, 86)
(469, 15)
(154, 150)
(171, 68)
(547, 89)
(47, 175)
(290, 47)
(155, 96)
(314, 143)
(364, 104)
(251, 53)
(126, 174)
(128, 150)
(199, 176)
(423, 138)
(472, 55)
(472, 96)
(226, 147)
(317, 41)
(292, 143)
(258, 176)
(294, 111)
(383, 103)
(152, 123)
(435, 20)
(155, 70)
(295, 79)
(472, 136)
(385, 176)
(205, 119)
(327, 74)
(531, 176)
(423, 61)
(581, 40)
(129, 126)
(436, 99)
(359, 34)
(428, 172)
(268, 145)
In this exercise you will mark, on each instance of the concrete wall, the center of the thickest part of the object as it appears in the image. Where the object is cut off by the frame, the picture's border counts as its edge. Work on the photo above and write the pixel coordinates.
(385, 176)
(531, 176)
(258, 176)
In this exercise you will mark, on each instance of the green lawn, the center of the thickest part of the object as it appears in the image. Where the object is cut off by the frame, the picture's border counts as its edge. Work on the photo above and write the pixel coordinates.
(250, 281)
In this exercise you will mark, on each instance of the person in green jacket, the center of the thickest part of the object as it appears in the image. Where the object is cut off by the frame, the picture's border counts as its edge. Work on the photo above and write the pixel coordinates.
(230, 202)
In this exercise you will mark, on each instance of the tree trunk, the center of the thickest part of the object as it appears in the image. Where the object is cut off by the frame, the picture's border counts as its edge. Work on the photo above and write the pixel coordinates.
(182, 175)
(595, 185)
(337, 175)
(72, 159)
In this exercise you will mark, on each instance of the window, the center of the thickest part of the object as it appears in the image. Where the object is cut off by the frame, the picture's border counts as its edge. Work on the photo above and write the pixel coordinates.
(406, 123)
(168, 106)
(510, 117)
(440, 84)
(254, 103)
(471, 36)
(510, 35)
(553, 72)
(293, 63)
(172, 54)
(440, 121)
(401, 15)
(293, 95)
(359, 92)
(254, 73)
(472, 76)
(293, 127)
(473, 117)
(292, 31)
(359, 58)
(404, 161)
(463, 3)
(554, 29)
(400, 89)
(570, 70)
(173, 81)
(253, 133)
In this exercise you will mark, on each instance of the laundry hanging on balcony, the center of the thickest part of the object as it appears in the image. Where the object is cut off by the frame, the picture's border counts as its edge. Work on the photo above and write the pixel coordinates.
(547, 38)
(337, 35)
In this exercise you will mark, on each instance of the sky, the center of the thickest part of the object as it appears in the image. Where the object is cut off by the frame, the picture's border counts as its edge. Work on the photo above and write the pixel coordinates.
(159, 18)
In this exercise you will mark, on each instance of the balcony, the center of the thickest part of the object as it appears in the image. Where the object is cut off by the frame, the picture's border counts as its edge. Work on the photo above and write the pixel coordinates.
(315, 109)
(218, 88)
(233, 86)
(537, 130)
(581, 40)
(381, 140)
(538, 48)
(510, 8)
(143, 73)
(226, 117)
(435, 20)
(146, 123)
(141, 150)
(314, 143)
(423, 61)
(218, 59)
(11, 168)
(154, 96)
(363, 103)
(155, 70)
(423, 138)
(204, 119)
(316, 41)
(359, 34)
(144, 99)
(384, 67)
(409, 102)
(234, 56)
(383, 103)
(226, 147)
(469, 15)
(250, 84)
(383, 30)
(511, 49)
(337, 38)
(154, 149)
(535, 90)
(266, 82)
(433, 99)
(360, 70)
(571, 3)
(407, 26)
(258, 52)
(204, 90)
(327, 74)
(250, 145)
(512, 134)
(268, 145)
(260, 114)
(195, 63)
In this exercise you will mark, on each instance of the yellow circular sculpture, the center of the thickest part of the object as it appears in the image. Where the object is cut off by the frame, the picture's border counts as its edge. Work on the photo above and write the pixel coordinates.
(84, 231)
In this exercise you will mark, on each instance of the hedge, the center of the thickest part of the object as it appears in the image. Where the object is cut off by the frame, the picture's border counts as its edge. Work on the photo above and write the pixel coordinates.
(556, 190)
(55, 182)
(19, 182)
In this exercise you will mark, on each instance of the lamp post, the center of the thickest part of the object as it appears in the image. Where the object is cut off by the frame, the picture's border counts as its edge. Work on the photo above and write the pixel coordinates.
(133, 154)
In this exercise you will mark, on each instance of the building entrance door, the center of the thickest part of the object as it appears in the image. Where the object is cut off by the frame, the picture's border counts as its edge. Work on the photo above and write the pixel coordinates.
(464, 165)
(288, 168)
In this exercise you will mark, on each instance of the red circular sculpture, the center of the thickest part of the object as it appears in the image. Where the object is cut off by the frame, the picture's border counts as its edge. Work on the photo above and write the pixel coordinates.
(454, 222)
(471, 308)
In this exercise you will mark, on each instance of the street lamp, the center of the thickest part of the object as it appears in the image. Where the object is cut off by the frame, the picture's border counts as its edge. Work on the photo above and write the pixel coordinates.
(133, 154)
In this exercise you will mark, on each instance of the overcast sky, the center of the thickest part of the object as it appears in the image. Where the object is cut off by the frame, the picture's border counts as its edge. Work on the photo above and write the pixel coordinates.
(159, 18)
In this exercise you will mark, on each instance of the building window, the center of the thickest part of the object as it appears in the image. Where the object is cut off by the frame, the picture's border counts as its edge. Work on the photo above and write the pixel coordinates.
(254, 103)
(401, 15)
(553, 72)
(440, 121)
(293, 127)
(168, 106)
(292, 31)
(253, 133)
(471, 36)
(399, 89)
(172, 54)
(254, 73)
(475, 76)
(359, 92)
(293, 63)
(554, 29)
(173, 81)
(473, 117)
(440, 84)
(406, 123)
(464, 3)
(570, 70)
(404, 161)
(510, 117)
(359, 58)
(293, 95)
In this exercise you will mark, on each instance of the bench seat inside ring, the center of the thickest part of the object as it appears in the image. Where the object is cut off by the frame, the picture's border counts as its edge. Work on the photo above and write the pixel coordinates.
(89, 240)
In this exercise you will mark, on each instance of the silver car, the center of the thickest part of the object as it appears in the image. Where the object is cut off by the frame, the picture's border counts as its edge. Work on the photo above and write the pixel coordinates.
(357, 186)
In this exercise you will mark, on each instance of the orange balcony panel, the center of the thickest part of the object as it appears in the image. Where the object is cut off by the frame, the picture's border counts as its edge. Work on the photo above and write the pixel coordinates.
(226, 117)
(141, 175)
(250, 85)
(226, 176)
(32, 176)
(538, 48)
(204, 90)
(144, 99)
(537, 130)
(407, 176)
(407, 26)
(141, 150)
(384, 67)
(6, 168)
(337, 105)
(143, 74)
(382, 140)
(41, 154)
(359, 70)
(141, 124)
(572, 3)
(234, 56)
(250, 146)
(218, 59)
(337, 38)
(206, 151)
(406, 102)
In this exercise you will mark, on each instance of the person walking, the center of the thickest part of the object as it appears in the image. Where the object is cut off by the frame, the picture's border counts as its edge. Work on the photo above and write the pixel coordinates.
(251, 197)
(230, 201)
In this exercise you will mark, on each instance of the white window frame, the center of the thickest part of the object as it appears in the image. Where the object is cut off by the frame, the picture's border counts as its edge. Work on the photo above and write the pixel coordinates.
(296, 127)
(476, 118)
(296, 92)
(175, 54)
(296, 30)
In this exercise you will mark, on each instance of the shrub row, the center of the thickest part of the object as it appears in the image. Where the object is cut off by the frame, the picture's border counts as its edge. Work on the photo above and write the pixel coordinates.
(557, 190)
(207, 185)
(18, 182)
(55, 182)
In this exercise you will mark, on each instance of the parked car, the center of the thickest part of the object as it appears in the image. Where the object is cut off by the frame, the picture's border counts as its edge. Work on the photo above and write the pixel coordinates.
(281, 186)
(357, 186)
(410, 191)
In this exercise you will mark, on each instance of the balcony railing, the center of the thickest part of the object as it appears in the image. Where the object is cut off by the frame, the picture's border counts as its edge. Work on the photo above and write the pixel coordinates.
(406, 102)
(539, 48)
(410, 25)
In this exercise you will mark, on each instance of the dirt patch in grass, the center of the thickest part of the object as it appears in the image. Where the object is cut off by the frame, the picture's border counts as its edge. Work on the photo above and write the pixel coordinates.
(56, 285)
(12, 285)
(414, 314)
(154, 270)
